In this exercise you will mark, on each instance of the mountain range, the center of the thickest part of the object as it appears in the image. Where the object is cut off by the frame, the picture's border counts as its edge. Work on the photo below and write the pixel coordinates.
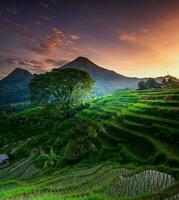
(14, 87)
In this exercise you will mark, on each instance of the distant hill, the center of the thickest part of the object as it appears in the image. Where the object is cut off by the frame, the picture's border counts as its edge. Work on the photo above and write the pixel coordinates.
(106, 80)
(14, 87)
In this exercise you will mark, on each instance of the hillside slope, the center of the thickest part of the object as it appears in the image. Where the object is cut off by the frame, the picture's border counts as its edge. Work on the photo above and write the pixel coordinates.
(107, 181)
(107, 150)
(114, 127)
(14, 87)
(106, 80)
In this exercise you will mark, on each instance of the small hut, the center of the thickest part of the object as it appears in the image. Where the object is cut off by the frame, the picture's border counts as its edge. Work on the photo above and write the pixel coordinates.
(4, 159)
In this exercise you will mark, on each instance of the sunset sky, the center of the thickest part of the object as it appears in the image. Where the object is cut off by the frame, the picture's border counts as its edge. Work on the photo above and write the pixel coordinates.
(132, 37)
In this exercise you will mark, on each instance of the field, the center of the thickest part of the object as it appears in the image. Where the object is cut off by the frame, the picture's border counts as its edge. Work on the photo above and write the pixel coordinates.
(121, 146)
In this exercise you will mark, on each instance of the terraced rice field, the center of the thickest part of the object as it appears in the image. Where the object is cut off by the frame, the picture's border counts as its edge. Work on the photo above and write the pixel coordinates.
(147, 120)
(103, 181)
(141, 128)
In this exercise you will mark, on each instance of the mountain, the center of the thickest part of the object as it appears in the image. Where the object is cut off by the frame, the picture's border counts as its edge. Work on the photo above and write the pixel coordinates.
(106, 80)
(14, 87)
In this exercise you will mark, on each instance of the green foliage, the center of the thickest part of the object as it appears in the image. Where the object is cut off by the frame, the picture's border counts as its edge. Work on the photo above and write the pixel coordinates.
(170, 81)
(68, 87)
(50, 160)
(115, 127)
(3, 117)
(135, 131)
(141, 85)
(150, 83)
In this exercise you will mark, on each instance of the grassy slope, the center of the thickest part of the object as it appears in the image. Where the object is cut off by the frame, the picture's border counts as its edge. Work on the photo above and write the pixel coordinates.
(135, 128)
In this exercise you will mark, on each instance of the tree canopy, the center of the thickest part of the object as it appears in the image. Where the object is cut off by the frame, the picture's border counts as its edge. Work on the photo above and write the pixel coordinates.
(170, 81)
(68, 87)
(150, 83)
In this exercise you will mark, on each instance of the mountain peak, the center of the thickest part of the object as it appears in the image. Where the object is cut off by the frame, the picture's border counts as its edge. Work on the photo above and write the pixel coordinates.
(17, 74)
(82, 59)
(16, 86)
(20, 70)
(96, 72)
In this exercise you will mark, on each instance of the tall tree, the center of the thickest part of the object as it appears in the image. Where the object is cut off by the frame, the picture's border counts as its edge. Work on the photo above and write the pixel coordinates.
(68, 87)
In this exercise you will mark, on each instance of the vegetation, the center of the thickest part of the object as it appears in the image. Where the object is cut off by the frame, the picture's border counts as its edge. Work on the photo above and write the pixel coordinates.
(122, 146)
(151, 83)
(103, 181)
(67, 87)
(170, 81)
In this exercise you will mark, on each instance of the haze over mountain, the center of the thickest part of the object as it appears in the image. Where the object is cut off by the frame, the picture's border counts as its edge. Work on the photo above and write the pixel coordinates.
(106, 80)
(14, 87)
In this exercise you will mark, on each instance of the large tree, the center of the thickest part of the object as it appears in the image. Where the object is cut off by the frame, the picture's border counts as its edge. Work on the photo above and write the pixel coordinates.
(68, 87)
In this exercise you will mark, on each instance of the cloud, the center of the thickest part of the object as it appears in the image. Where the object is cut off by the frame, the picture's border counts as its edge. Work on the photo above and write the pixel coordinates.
(144, 30)
(55, 40)
(56, 31)
(127, 38)
(47, 17)
(44, 4)
(23, 30)
(12, 11)
(56, 62)
(51, 42)
(2, 74)
(38, 23)
(74, 37)
(135, 36)
(34, 65)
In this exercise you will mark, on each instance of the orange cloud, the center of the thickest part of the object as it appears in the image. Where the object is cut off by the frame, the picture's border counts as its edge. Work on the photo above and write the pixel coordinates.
(144, 30)
(74, 37)
(154, 50)
(57, 31)
(3, 74)
(51, 42)
(55, 40)
(127, 38)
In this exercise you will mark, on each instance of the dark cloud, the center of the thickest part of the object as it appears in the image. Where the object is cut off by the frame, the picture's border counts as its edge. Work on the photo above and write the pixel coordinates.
(24, 30)
(44, 4)
(47, 17)
(47, 4)
(35, 65)
(57, 62)
(12, 11)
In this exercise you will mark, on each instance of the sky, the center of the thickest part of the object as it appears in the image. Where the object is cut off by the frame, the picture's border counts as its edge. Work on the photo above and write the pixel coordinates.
(136, 38)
